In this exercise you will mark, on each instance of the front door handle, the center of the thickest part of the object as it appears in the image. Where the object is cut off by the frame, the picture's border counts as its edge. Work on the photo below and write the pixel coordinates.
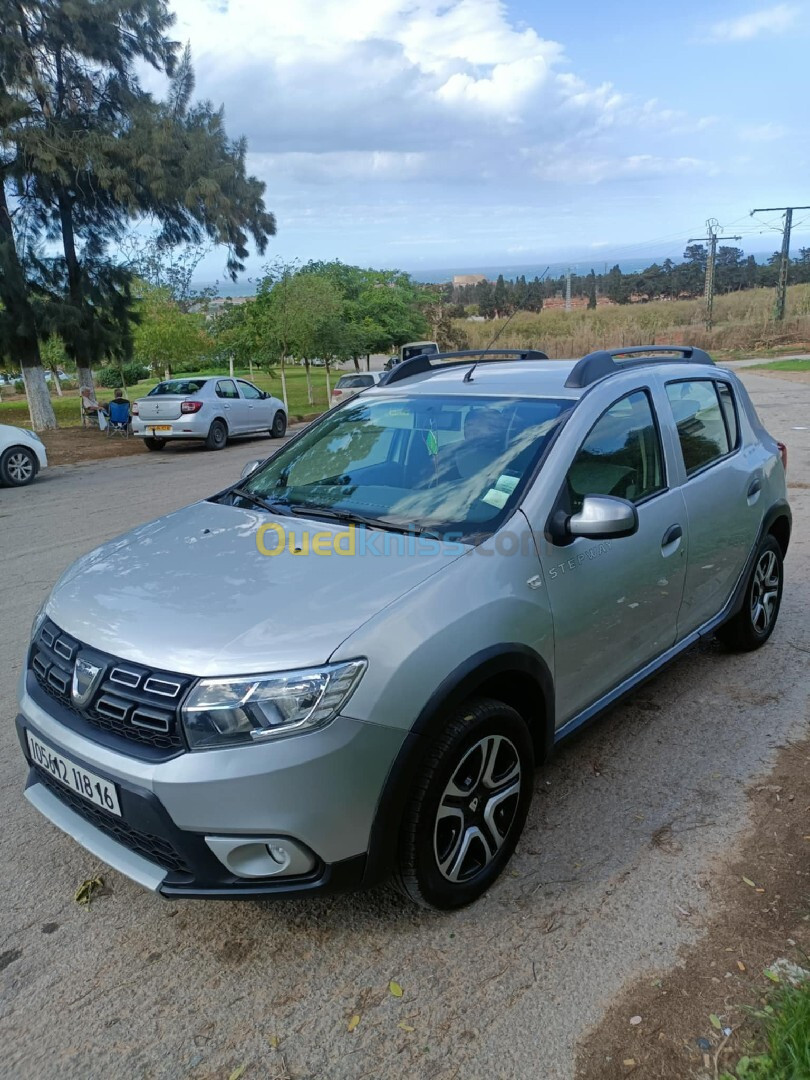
(673, 533)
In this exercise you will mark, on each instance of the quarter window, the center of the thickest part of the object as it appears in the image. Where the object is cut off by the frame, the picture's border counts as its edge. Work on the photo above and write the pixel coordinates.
(621, 456)
(700, 421)
(726, 395)
(226, 388)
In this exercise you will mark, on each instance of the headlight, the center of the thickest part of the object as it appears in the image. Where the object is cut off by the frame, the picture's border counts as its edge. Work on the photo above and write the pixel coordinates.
(39, 619)
(227, 712)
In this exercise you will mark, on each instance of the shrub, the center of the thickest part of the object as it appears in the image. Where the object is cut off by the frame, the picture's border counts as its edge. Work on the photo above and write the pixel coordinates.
(19, 386)
(113, 375)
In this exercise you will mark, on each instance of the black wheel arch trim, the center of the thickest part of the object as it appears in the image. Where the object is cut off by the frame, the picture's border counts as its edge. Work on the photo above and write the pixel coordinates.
(778, 510)
(470, 676)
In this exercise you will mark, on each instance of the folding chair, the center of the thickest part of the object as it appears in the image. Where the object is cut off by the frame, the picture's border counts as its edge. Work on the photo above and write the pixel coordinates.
(118, 419)
(89, 419)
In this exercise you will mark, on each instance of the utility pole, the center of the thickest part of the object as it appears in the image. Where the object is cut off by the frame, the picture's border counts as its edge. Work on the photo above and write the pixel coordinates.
(784, 262)
(711, 240)
(568, 289)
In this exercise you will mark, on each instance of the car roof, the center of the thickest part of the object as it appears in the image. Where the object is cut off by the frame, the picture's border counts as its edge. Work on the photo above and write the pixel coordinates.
(526, 378)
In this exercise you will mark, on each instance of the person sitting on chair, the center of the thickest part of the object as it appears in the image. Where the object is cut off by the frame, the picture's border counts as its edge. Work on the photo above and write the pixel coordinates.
(118, 398)
(89, 404)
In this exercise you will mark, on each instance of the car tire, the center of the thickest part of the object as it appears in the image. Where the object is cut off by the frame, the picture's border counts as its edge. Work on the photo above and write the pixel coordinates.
(279, 428)
(18, 466)
(753, 624)
(468, 807)
(217, 436)
(154, 444)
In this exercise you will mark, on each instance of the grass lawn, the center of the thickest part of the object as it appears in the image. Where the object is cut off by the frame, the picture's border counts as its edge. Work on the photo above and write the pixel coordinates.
(784, 1050)
(784, 365)
(68, 414)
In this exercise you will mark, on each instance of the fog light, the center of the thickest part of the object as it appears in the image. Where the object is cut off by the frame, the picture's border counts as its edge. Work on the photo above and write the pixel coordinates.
(260, 857)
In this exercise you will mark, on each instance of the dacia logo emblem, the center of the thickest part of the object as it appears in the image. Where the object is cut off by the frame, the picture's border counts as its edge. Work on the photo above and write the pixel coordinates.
(86, 677)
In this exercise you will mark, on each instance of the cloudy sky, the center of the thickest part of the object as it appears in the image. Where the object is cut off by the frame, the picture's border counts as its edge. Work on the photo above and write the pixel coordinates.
(465, 133)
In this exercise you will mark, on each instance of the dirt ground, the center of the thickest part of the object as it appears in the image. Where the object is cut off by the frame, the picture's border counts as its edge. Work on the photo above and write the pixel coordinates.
(761, 896)
(73, 446)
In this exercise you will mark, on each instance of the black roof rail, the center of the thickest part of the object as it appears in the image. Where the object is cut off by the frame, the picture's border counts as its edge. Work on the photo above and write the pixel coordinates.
(597, 365)
(418, 365)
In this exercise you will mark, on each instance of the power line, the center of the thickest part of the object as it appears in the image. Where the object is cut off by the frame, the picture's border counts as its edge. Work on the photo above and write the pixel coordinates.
(784, 261)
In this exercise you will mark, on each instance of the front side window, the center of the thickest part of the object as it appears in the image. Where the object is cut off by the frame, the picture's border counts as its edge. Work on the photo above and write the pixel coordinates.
(702, 430)
(621, 456)
(448, 464)
(226, 388)
(249, 391)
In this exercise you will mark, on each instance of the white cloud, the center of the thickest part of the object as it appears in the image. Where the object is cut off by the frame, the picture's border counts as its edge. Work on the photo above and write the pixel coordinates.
(770, 20)
(578, 168)
(767, 132)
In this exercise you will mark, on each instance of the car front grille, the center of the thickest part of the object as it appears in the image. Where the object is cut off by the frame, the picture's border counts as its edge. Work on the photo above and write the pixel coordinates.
(153, 848)
(128, 700)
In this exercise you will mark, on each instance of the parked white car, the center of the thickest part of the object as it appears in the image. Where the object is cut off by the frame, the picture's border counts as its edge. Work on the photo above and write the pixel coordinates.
(22, 455)
(212, 408)
(348, 386)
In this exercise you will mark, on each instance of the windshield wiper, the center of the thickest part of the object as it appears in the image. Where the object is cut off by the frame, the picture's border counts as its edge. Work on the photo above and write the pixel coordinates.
(274, 507)
(350, 517)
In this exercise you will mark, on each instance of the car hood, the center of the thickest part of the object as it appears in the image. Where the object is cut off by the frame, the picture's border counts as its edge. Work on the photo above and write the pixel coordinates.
(191, 592)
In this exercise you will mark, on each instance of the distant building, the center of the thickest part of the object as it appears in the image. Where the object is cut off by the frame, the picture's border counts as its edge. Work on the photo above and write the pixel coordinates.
(469, 279)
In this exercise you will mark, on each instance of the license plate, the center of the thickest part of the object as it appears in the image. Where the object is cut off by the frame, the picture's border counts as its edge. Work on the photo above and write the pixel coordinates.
(85, 783)
(160, 427)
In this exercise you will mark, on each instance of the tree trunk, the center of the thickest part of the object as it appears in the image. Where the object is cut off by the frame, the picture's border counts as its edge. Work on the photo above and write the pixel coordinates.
(309, 383)
(230, 364)
(23, 346)
(40, 405)
(368, 361)
(84, 372)
(84, 376)
(56, 381)
(356, 363)
(284, 388)
(328, 386)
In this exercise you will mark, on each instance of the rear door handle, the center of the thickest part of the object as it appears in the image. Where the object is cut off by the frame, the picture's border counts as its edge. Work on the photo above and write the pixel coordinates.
(755, 487)
(673, 533)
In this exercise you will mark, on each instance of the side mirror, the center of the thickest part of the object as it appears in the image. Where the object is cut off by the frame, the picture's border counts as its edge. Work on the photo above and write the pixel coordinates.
(251, 467)
(604, 517)
(265, 395)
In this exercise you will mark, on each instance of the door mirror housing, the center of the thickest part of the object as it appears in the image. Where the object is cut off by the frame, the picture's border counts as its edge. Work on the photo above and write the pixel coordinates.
(603, 517)
(251, 467)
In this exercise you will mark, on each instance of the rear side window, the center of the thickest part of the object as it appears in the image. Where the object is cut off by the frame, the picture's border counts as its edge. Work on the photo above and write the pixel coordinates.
(355, 381)
(701, 422)
(226, 388)
(621, 456)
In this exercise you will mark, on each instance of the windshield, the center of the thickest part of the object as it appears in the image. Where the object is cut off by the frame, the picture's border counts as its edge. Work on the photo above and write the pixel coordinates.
(451, 465)
(177, 386)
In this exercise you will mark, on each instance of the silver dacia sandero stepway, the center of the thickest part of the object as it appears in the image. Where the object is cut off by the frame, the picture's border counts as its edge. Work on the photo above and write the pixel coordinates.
(350, 663)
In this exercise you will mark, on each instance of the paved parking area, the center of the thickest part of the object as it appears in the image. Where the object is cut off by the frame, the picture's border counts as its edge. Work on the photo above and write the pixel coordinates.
(136, 986)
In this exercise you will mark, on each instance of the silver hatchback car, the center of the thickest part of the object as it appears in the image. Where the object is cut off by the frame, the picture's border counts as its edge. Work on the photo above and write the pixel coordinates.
(404, 610)
(211, 408)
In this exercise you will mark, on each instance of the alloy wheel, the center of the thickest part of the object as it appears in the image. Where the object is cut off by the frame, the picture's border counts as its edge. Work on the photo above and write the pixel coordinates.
(764, 592)
(20, 467)
(477, 809)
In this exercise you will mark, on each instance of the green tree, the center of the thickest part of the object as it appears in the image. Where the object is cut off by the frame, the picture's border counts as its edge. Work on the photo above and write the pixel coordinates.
(592, 291)
(92, 150)
(166, 338)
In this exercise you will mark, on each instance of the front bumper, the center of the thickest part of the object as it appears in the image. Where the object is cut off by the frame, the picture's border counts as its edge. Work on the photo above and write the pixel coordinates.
(319, 791)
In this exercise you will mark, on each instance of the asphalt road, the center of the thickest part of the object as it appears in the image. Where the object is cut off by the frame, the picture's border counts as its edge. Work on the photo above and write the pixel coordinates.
(136, 986)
